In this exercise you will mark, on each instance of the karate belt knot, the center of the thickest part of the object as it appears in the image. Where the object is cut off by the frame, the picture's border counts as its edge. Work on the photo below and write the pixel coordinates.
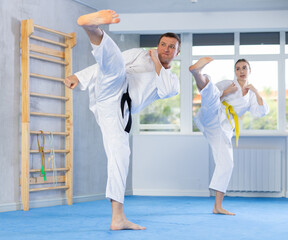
(229, 109)
(126, 98)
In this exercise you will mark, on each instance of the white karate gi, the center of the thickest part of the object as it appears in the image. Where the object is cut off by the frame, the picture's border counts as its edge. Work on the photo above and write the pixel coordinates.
(107, 81)
(212, 120)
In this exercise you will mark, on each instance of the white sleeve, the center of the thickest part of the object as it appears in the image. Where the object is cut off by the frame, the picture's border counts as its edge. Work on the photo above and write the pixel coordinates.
(84, 76)
(256, 109)
(167, 84)
(222, 85)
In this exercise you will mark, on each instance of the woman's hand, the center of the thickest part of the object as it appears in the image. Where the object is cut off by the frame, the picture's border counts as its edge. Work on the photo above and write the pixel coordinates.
(230, 89)
(253, 89)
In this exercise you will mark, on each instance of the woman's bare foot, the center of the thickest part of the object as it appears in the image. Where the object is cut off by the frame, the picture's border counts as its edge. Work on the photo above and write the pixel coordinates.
(222, 211)
(124, 224)
(201, 63)
(195, 69)
(98, 18)
(218, 209)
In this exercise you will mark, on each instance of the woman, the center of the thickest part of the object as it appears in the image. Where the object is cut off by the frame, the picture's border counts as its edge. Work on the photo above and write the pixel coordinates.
(221, 105)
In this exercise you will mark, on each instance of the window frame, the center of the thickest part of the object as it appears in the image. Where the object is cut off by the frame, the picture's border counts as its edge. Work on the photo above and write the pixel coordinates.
(186, 57)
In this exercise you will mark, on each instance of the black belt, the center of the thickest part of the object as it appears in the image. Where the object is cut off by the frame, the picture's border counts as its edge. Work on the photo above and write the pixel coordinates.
(126, 98)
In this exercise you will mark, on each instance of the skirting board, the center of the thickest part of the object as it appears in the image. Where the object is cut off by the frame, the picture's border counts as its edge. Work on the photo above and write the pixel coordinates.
(172, 192)
(255, 194)
(7, 207)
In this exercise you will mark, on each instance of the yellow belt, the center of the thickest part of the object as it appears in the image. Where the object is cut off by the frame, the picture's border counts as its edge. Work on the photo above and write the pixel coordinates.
(42, 152)
(230, 109)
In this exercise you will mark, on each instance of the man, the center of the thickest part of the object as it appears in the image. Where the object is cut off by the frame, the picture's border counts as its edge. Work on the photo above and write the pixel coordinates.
(113, 82)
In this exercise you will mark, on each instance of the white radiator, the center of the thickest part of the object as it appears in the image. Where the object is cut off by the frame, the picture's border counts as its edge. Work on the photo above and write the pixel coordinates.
(256, 170)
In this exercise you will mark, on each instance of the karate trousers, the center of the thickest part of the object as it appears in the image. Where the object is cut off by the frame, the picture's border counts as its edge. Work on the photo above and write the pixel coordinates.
(218, 138)
(109, 88)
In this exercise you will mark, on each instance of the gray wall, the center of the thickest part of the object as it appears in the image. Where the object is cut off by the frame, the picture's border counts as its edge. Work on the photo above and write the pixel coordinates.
(89, 156)
(182, 164)
(174, 165)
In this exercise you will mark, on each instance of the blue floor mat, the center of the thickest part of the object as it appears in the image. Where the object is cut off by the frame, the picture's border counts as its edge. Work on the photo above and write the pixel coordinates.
(169, 218)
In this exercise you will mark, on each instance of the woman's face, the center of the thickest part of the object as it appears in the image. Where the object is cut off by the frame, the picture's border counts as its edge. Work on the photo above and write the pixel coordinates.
(242, 71)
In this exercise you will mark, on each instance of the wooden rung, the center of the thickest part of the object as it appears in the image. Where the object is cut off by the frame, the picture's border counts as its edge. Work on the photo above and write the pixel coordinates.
(48, 133)
(53, 31)
(46, 77)
(49, 179)
(49, 115)
(48, 41)
(47, 188)
(48, 96)
(48, 151)
(49, 170)
(46, 50)
(48, 59)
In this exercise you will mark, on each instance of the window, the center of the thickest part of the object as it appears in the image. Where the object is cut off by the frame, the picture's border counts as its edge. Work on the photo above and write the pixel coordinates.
(286, 45)
(286, 77)
(264, 77)
(259, 43)
(260, 49)
(286, 91)
(163, 114)
(213, 44)
(218, 70)
(267, 54)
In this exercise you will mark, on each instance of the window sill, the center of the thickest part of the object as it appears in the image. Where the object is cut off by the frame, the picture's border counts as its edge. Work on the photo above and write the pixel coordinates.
(242, 133)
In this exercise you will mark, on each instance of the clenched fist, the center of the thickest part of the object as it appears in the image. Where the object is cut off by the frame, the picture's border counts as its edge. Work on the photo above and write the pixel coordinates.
(71, 81)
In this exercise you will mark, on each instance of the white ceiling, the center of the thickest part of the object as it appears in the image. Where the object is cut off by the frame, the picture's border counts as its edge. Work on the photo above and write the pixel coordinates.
(166, 6)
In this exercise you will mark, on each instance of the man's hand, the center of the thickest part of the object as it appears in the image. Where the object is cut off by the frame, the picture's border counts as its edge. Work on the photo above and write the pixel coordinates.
(71, 81)
(154, 56)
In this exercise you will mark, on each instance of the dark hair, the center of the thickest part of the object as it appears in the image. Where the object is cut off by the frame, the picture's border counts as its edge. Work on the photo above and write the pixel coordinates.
(171, 35)
(242, 60)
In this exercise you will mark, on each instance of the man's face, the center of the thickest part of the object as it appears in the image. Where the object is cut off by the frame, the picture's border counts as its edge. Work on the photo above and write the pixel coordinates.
(168, 48)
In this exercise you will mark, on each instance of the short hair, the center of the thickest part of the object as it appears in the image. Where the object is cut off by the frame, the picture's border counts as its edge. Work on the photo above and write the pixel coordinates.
(242, 60)
(171, 35)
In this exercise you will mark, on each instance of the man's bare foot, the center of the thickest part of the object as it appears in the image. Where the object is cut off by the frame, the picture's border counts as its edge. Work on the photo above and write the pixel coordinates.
(222, 211)
(201, 63)
(125, 225)
(98, 18)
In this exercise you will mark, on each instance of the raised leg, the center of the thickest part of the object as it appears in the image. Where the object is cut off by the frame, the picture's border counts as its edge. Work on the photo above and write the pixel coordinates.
(195, 69)
(105, 51)
(91, 22)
